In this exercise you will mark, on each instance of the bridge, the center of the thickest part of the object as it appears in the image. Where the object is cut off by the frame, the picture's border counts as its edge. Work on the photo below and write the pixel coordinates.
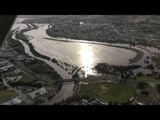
(66, 80)
(69, 80)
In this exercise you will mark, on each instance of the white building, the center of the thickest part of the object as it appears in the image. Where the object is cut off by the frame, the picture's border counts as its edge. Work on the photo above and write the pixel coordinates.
(14, 101)
(81, 23)
(40, 91)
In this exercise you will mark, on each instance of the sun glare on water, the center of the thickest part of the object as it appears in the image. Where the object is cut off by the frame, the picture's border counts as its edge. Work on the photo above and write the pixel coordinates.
(86, 59)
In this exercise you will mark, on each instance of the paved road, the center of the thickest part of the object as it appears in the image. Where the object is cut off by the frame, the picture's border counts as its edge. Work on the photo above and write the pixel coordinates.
(10, 87)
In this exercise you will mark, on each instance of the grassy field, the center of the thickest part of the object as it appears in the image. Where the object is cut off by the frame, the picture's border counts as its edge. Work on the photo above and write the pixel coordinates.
(6, 95)
(94, 78)
(151, 93)
(25, 78)
(148, 78)
(51, 87)
(2, 87)
(108, 92)
(49, 77)
(150, 89)
(154, 43)
(157, 60)
(97, 78)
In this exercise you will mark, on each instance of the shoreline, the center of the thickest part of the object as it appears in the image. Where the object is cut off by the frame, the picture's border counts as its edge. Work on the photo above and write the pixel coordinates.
(135, 59)
(59, 95)
(139, 53)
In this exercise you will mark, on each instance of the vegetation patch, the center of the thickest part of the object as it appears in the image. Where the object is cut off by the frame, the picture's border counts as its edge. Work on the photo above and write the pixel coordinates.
(146, 91)
(111, 69)
(157, 60)
(148, 78)
(107, 92)
(6, 95)
(139, 55)
(26, 79)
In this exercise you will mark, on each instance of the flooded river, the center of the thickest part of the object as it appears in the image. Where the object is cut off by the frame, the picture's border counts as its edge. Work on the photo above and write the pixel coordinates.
(77, 53)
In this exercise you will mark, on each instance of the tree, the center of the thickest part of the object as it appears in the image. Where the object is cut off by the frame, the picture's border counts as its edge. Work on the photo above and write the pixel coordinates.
(150, 66)
(120, 81)
(141, 85)
(131, 72)
(110, 103)
(158, 88)
(145, 93)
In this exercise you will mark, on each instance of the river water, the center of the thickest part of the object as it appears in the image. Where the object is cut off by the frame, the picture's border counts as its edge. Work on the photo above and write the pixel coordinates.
(82, 54)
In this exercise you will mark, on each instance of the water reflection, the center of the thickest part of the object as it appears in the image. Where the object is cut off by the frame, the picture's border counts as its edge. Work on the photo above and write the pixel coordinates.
(86, 58)
(76, 53)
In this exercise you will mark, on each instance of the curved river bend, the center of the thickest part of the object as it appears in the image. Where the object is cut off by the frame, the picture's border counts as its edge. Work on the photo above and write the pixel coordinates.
(74, 53)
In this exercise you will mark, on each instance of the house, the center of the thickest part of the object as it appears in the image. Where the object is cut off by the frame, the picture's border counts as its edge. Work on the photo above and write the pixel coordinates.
(139, 103)
(131, 99)
(81, 23)
(109, 81)
(7, 67)
(32, 96)
(13, 79)
(14, 101)
(84, 101)
(35, 93)
(17, 71)
(103, 103)
(42, 91)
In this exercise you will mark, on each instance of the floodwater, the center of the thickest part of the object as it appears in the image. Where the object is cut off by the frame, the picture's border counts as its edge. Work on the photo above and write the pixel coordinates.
(81, 54)
(65, 92)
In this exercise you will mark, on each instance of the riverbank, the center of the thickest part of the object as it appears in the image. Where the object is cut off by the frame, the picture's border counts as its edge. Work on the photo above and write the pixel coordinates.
(139, 53)
(86, 53)
(90, 48)
(62, 93)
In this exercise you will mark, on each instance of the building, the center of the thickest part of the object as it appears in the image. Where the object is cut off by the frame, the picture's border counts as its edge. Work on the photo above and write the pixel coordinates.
(81, 23)
(139, 103)
(35, 93)
(13, 79)
(7, 68)
(6, 54)
(14, 101)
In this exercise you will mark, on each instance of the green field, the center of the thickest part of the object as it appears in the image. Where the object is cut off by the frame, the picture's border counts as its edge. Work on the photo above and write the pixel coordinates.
(2, 87)
(49, 77)
(151, 93)
(52, 87)
(148, 78)
(6, 95)
(94, 78)
(108, 91)
(25, 78)
(98, 78)
(157, 60)
(155, 43)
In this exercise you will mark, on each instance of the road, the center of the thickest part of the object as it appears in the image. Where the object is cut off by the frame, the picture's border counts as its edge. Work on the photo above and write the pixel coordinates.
(10, 87)
(22, 96)
(27, 71)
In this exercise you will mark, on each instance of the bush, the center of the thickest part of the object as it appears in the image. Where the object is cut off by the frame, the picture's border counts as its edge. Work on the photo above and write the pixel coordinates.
(158, 88)
(108, 69)
(150, 66)
(142, 85)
